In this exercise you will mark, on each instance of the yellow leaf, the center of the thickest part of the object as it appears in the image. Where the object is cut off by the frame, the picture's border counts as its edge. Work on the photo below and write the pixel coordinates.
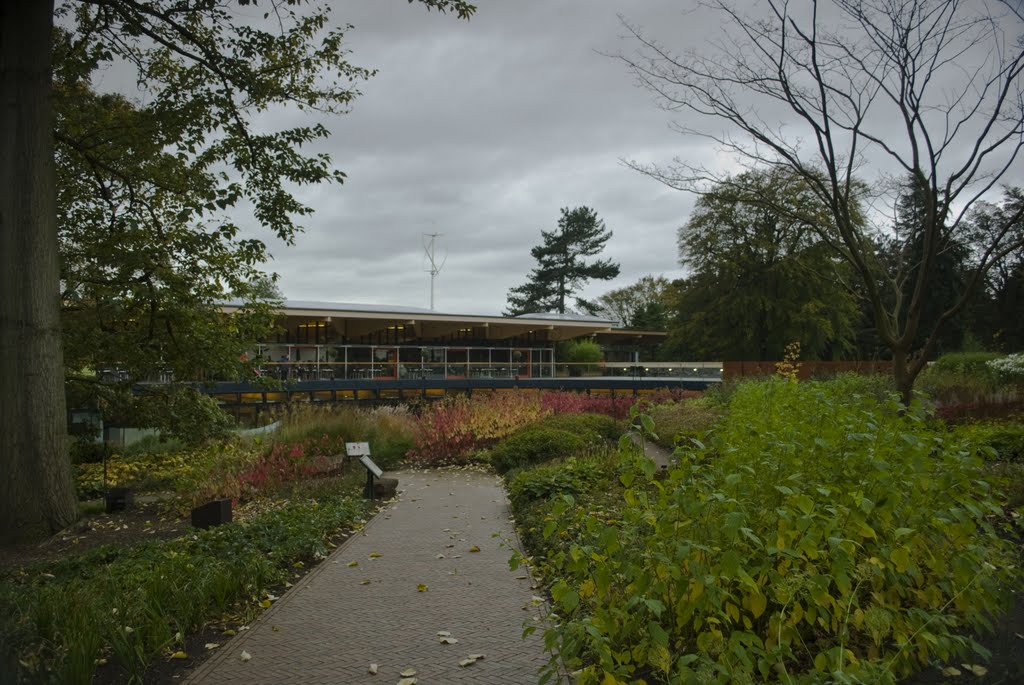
(353, 563)
(758, 603)
(474, 548)
(265, 604)
(421, 587)
(587, 588)
(374, 555)
(179, 655)
(364, 581)
(901, 558)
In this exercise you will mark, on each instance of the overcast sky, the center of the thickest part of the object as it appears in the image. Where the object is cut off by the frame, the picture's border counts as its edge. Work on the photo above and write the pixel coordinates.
(481, 131)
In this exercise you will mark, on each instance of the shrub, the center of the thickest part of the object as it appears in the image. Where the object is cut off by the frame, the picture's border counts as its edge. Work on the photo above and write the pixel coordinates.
(592, 425)
(574, 476)
(1009, 369)
(678, 422)
(962, 377)
(996, 441)
(534, 445)
(821, 538)
(451, 431)
(580, 403)
(582, 356)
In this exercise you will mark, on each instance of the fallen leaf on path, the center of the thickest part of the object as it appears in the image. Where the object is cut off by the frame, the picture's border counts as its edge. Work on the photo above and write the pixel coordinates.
(408, 673)
(353, 563)
(407, 681)
(443, 633)
(474, 548)
(374, 555)
(439, 556)
(448, 640)
(364, 581)
(372, 669)
(422, 587)
(245, 656)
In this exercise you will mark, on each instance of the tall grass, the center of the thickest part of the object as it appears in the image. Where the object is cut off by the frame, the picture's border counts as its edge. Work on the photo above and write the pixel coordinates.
(389, 430)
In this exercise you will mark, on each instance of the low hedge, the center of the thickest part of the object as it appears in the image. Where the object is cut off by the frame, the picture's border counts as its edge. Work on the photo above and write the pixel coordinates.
(534, 445)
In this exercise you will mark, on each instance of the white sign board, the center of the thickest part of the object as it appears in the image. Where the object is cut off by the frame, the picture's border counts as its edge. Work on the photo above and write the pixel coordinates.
(357, 449)
(370, 466)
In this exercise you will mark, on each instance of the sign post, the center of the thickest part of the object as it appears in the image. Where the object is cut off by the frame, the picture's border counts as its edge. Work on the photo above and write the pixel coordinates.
(362, 450)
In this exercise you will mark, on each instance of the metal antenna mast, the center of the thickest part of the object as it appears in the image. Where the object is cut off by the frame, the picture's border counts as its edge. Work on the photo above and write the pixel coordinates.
(435, 268)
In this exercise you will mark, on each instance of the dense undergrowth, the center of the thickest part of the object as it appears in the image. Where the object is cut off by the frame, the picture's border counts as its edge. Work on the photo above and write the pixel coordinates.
(812, 532)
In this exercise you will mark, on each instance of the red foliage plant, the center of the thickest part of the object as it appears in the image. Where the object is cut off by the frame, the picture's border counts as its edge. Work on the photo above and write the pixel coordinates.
(287, 462)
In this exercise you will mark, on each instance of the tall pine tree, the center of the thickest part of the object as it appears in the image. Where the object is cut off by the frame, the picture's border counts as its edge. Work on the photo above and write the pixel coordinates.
(561, 267)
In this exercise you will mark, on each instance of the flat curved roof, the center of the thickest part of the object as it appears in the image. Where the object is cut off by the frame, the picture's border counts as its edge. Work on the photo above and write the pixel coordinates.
(366, 318)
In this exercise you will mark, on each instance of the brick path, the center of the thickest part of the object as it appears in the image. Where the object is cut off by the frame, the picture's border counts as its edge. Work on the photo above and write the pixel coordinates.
(330, 627)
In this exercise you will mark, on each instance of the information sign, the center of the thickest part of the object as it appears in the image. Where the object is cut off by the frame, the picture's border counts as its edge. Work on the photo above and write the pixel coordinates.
(357, 449)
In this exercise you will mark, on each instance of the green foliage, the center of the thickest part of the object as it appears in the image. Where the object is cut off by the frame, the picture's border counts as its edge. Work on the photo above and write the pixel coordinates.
(534, 445)
(561, 267)
(182, 413)
(136, 603)
(678, 422)
(641, 305)
(590, 426)
(761, 274)
(996, 441)
(582, 356)
(389, 430)
(553, 437)
(962, 377)
(822, 536)
(573, 476)
(965, 363)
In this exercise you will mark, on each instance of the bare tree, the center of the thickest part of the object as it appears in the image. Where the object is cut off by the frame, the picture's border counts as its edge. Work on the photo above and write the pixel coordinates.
(831, 90)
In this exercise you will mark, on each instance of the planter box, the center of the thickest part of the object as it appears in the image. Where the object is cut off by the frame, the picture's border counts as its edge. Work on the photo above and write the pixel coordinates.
(213, 513)
(118, 499)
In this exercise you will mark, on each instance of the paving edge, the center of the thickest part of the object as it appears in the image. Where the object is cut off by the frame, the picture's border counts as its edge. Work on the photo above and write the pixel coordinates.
(238, 641)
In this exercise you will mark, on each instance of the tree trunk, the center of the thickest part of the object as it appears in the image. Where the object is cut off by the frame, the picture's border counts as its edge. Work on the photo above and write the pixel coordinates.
(903, 376)
(36, 494)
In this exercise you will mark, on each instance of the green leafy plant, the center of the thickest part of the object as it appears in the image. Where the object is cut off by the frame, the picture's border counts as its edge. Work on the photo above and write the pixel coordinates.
(134, 604)
(820, 537)
(534, 445)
